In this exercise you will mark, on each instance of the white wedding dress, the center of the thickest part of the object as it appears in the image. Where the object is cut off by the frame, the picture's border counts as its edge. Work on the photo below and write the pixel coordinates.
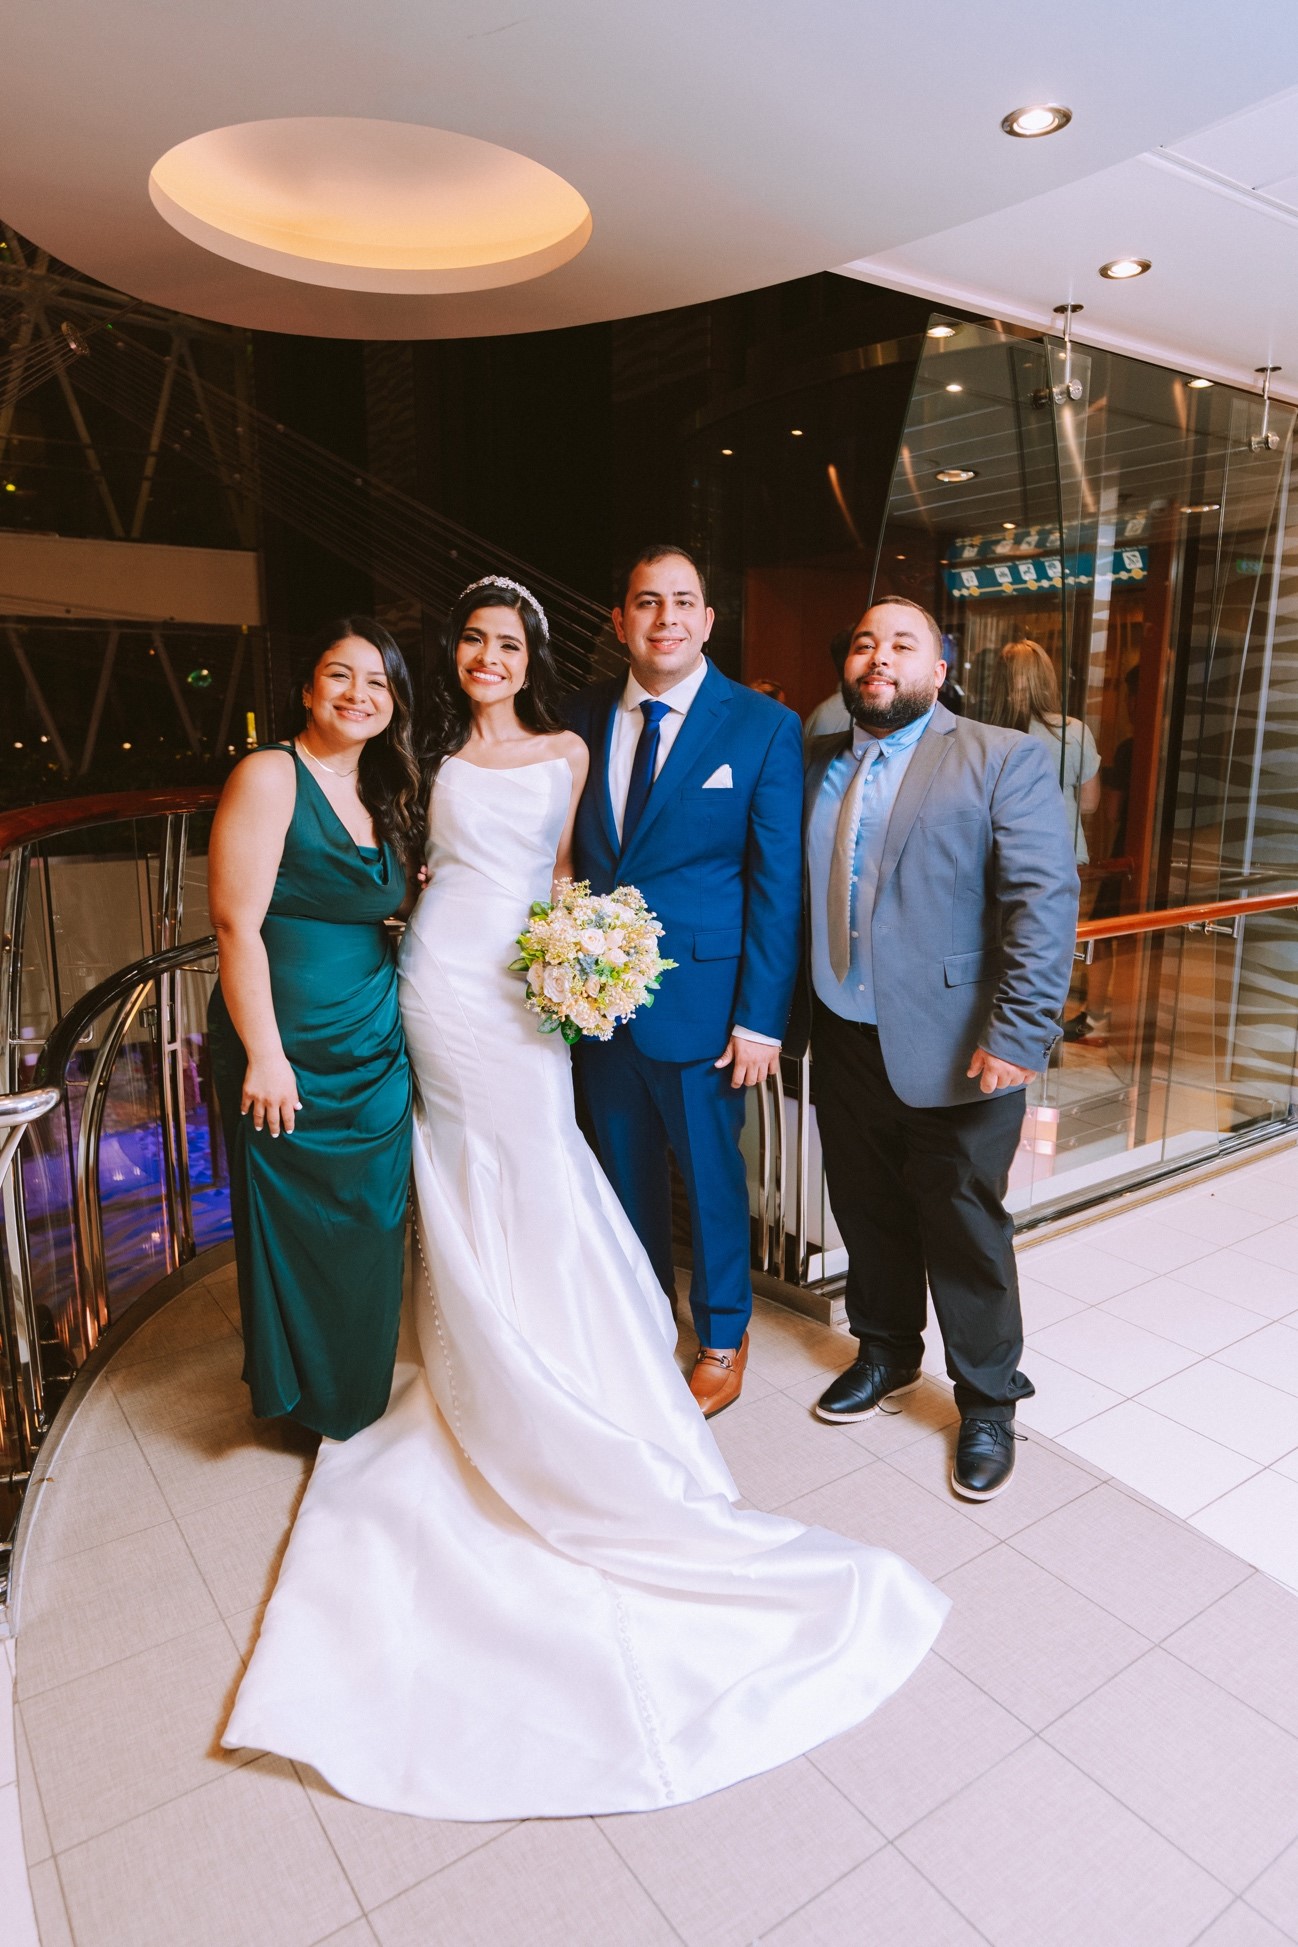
(529, 1589)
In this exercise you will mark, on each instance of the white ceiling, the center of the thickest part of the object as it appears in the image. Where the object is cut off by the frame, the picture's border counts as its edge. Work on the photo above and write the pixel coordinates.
(1216, 212)
(721, 144)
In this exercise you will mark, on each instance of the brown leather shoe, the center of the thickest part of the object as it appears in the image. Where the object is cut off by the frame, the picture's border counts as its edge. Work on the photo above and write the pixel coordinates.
(718, 1377)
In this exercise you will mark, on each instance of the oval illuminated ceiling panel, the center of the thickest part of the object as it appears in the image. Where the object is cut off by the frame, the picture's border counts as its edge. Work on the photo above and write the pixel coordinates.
(362, 205)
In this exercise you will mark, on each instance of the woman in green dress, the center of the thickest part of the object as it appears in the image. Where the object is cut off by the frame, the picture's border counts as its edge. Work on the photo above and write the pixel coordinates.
(311, 849)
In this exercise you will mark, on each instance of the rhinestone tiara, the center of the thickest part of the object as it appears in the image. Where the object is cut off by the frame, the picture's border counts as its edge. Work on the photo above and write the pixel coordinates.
(507, 581)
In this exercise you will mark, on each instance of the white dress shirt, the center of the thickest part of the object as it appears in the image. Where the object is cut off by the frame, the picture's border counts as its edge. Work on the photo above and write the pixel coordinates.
(630, 722)
(621, 756)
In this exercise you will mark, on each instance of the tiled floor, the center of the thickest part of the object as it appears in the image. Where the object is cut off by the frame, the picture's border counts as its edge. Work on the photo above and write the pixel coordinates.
(1103, 1749)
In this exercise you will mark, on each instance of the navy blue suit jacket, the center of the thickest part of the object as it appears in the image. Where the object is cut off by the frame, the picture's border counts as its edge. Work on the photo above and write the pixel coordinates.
(721, 867)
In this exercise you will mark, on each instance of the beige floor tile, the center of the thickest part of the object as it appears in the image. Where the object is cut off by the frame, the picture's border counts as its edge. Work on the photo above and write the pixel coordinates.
(92, 1609)
(1176, 1311)
(239, 1544)
(47, 1900)
(1271, 1355)
(16, 1912)
(1241, 1926)
(385, 1853)
(1146, 1238)
(113, 1744)
(36, 1837)
(885, 1901)
(1277, 1244)
(917, 1416)
(229, 1455)
(934, 1737)
(1170, 1464)
(91, 1498)
(1214, 1777)
(785, 1347)
(245, 1627)
(1080, 1870)
(1064, 1398)
(1042, 1305)
(202, 1381)
(879, 1505)
(1247, 1279)
(1111, 1350)
(1268, 1192)
(240, 1863)
(549, 1883)
(1260, 1522)
(1029, 1640)
(1233, 1408)
(1203, 1214)
(1248, 1643)
(359, 1934)
(1044, 1479)
(776, 1450)
(191, 1318)
(96, 1422)
(1144, 1567)
(729, 1867)
(1275, 1893)
(8, 1751)
(1083, 1270)
(224, 1288)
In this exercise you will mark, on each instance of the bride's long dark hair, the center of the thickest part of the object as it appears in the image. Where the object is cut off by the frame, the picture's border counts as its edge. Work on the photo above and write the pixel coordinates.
(388, 780)
(449, 716)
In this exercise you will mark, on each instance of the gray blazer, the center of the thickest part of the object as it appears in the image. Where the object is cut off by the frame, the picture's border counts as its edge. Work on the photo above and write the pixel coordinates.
(975, 917)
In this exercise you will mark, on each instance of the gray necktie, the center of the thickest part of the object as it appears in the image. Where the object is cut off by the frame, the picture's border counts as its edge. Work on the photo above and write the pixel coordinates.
(840, 865)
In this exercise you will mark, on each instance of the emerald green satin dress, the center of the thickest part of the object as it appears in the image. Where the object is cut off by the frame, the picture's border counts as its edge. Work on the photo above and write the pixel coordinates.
(319, 1215)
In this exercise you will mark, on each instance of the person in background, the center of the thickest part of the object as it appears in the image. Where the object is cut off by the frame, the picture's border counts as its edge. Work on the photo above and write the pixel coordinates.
(1090, 1025)
(1025, 696)
(830, 717)
(765, 687)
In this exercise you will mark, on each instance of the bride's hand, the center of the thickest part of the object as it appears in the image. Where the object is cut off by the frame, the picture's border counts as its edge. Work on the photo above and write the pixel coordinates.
(270, 1091)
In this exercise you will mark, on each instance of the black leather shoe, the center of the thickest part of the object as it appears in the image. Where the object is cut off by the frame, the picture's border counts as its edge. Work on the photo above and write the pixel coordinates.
(861, 1388)
(984, 1458)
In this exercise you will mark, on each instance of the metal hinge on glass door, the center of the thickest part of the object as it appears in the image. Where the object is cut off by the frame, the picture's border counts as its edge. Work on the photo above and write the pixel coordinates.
(1068, 388)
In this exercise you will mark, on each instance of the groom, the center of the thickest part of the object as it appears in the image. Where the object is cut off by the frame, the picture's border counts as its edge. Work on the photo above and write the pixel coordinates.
(694, 796)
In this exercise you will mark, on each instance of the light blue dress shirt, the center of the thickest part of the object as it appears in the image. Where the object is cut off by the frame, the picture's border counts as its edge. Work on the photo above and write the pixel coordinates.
(853, 998)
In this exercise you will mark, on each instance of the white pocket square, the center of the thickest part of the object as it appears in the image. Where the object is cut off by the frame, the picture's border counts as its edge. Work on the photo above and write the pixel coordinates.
(720, 780)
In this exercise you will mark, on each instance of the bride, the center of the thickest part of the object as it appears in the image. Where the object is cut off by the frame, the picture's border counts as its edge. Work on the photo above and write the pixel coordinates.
(530, 1589)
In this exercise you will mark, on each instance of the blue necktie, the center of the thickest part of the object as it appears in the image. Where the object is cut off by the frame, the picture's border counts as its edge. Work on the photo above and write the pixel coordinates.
(643, 767)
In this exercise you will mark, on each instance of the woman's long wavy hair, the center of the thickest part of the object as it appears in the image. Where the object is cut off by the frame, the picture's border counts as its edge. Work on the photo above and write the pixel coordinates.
(388, 780)
(1025, 688)
(449, 715)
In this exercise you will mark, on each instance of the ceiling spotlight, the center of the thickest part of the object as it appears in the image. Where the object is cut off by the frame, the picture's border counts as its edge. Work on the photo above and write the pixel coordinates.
(1199, 385)
(1045, 119)
(796, 432)
(1203, 507)
(1009, 525)
(942, 331)
(1120, 268)
(955, 388)
(952, 475)
(727, 452)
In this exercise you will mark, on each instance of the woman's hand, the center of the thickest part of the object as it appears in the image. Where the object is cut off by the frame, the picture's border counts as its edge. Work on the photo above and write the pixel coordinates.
(270, 1091)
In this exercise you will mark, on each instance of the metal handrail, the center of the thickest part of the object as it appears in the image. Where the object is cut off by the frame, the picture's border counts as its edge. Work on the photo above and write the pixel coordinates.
(108, 808)
(1203, 914)
(125, 993)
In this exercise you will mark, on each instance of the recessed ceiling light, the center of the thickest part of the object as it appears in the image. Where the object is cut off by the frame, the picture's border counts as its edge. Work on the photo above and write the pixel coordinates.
(942, 331)
(727, 452)
(1199, 385)
(1203, 507)
(952, 475)
(1009, 525)
(1043, 119)
(1120, 268)
(796, 432)
(955, 388)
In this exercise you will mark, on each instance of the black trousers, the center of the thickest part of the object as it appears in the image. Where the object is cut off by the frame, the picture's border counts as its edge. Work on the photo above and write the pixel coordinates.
(918, 1195)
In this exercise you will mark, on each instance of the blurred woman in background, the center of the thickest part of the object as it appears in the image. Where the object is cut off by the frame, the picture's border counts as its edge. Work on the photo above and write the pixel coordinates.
(1025, 696)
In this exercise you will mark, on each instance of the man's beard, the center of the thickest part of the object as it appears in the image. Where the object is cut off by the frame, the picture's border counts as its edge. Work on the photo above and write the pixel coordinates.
(904, 707)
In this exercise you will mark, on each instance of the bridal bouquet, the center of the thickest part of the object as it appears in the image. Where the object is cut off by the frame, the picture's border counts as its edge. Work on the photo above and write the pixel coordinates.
(591, 959)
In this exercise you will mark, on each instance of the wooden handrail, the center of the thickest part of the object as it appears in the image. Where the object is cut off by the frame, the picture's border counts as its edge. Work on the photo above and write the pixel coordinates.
(1171, 916)
(109, 808)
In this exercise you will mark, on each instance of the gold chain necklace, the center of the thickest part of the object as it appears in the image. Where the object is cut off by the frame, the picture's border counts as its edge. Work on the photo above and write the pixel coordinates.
(320, 763)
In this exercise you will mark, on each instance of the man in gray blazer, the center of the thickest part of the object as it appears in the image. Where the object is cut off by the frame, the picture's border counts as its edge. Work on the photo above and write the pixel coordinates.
(943, 906)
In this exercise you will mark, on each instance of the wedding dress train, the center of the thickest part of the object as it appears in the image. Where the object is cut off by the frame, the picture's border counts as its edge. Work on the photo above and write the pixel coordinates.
(529, 1589)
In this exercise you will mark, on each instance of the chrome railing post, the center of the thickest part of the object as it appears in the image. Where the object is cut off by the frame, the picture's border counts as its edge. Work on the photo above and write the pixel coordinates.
(17, 1334)
(169, 1048)
(21, 1325)
(91, 1254)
